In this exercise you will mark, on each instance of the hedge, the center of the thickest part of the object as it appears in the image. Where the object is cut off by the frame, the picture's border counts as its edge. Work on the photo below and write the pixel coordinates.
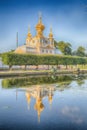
(32, 59)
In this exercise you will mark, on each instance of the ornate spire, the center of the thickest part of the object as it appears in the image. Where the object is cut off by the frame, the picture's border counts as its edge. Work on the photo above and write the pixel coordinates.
(40, 27)
(29, 34)
(51, 33)
(28, 28)
(40, 17)
(51, 29)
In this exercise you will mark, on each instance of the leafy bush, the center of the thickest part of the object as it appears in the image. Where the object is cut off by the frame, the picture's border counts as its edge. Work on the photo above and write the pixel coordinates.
(31, 59)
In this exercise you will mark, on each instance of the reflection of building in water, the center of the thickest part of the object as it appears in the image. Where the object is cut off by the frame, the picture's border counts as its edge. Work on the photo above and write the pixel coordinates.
(39, 107)
(50, 95)
(38, 93)
(28, 98)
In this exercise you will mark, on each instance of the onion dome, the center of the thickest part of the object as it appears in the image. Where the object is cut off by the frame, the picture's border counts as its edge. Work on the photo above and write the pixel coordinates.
(29, 34)
(40, 27)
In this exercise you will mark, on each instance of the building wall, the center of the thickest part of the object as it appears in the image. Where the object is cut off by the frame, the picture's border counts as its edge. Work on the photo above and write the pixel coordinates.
(47, 51)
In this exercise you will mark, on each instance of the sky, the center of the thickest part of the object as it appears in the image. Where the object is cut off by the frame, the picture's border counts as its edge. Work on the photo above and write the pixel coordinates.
(68, 19)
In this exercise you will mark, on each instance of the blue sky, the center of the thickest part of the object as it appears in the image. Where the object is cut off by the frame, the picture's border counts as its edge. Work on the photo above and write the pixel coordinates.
(67, 17)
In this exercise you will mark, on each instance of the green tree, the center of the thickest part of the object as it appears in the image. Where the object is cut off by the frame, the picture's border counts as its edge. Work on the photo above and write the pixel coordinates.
(80, 51)
(65, 47)
(56, 44)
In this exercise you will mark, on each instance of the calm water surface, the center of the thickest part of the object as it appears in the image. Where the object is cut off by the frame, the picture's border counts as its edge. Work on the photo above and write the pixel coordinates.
(44, 107)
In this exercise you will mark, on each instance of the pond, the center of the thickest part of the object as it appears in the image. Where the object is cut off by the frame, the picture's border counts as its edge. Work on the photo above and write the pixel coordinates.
(43, 103)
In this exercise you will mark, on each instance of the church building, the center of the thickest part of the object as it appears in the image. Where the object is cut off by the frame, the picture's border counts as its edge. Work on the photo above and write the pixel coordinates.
(38, 44)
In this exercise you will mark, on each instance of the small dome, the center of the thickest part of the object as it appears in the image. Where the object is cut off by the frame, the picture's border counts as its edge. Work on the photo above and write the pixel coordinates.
(50, 35)
(29, 34)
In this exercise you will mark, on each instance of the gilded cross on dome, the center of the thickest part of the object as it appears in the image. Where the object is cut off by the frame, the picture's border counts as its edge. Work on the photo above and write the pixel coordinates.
(40, 17)
(28, 28)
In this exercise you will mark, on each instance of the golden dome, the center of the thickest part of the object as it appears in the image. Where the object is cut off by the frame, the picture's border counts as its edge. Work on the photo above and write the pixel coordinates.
(50, 35)
(29, 34)
(40, 27)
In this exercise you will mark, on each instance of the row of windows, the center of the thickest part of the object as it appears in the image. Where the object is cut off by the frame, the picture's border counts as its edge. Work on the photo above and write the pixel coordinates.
(47, 51)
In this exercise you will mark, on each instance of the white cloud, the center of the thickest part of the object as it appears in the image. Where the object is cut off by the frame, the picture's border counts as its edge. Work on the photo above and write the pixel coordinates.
(73, 113)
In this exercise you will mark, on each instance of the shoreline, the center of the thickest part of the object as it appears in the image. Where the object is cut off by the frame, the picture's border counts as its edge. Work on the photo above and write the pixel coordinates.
(23, 73)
